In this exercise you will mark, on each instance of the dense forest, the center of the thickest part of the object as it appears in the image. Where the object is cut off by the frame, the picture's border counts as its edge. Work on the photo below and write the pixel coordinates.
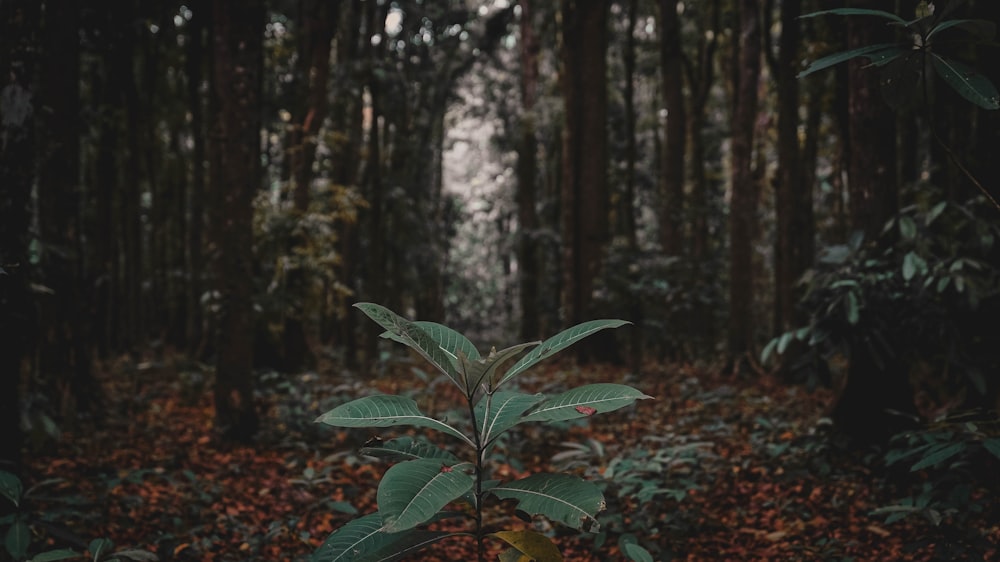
(794, 205)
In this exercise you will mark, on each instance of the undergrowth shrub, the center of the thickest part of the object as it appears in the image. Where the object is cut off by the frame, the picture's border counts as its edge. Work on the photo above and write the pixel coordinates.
(413, 493)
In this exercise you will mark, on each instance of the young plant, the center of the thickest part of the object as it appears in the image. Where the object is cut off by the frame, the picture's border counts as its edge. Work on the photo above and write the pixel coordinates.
(414, 492)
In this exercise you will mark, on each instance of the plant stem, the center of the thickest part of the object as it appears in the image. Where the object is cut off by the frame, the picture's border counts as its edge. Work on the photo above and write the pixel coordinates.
(480, 453)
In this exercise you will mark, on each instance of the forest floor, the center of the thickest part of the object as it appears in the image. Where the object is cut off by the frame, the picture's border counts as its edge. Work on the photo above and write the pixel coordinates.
(714, 468)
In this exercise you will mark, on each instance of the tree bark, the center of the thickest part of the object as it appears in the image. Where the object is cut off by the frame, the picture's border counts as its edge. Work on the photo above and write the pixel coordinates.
(675, 131)
(238, 53)
(585, 198)
(19, 27)
(527, 171)
(745, 189)
(193, 65)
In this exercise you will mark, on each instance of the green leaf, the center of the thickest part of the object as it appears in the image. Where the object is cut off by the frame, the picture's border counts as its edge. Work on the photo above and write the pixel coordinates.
(886, 50)
(557, 343)
(856, 12)
(99, 547)
(578, 402)
(363, 540)
(912, 265)
(938, 455)
(10, 487)
(385, 410)
(406, 448)
(936, 211)
(967, 81)
(413, 492)
(414, 336)
(18, 538)
(993, 446)
(502, 411)
(907, 228)
(982, 30)
(768, 350)
(53, 555)
(637, 553)
(487, 368)
(513, 555)
(535, 545)
(559, 497)
(447, 339)
(853, 310)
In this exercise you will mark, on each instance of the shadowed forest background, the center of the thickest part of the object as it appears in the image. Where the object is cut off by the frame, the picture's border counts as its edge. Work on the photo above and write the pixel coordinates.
(194, 193)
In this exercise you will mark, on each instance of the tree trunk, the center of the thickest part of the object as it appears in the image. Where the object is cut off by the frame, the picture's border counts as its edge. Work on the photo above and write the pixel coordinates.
(196, 192)
(527, 171)
(745, 189)
(675, 131)
(238, 53)
(871, 184)
(19, 26)
(585, 198)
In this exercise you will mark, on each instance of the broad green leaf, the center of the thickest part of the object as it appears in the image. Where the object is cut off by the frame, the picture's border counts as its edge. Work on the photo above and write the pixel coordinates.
(936, 211)
(18, 538)
(99, 547)
(907, 228)
(993, 446)
(559, 497)
(637, 553)
(413, 492)
(765, 354)
(385, 410)
(53, 555)
(10, 487)
(983, 30)
(856, 12)
(409, 333)
(557, 343)
(784, 341)
(584, 401)
(449, 340)
(912, 265)
(938, 455)
(406, 448)
(497, 413)
(967, 81)
(363, 540)
(535, 545)
(837, 58)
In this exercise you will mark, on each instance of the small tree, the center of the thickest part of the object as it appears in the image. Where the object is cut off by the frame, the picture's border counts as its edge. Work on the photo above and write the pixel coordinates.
(413, 493)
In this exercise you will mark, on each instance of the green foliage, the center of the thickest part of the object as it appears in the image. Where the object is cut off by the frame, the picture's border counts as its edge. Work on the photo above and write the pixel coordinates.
(907, 68)
(25, 532)
(413, 493)
(926, 297)
(952, 464)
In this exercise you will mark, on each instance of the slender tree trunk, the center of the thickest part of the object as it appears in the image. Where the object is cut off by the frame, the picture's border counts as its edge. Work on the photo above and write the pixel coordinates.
(872, 184)
(193, 65)
(527, 171)
(238, 53)
(18, 32)
(793, 240)
(675, 131)
(585, 197)
(745, 189)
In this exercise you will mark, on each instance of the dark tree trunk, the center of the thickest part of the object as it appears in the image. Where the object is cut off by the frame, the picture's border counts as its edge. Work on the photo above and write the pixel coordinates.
(585, 198)
(238, 54)
(527, 171)
(64, 356)
(675, 131)
(18, 28)
(193, 65)
(745, 187)
(871, 175)
(794, 238)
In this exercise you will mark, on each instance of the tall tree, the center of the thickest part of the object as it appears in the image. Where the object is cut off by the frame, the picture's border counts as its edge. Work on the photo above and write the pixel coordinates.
(19, 29)
(527, 171)
(794, 250)
(236, 172)
(871, 170)
(585, 198)
(675, 131)
(194, 254)
(745, 188)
